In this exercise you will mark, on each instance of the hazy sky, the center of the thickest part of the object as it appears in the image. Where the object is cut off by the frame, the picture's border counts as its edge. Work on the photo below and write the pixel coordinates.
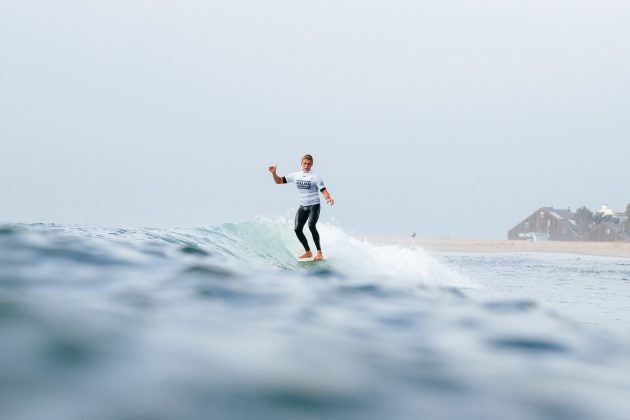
(449, 117)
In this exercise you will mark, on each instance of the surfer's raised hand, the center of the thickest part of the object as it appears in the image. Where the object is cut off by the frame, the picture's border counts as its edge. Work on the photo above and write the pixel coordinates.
(276, 178)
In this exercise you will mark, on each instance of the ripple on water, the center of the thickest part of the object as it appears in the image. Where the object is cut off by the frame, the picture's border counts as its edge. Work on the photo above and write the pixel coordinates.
(193, 249)
(208, 270)
(6, 230)
(528, 345)
(48, 341)
(324, 272)
(510, 306)
(372, 290)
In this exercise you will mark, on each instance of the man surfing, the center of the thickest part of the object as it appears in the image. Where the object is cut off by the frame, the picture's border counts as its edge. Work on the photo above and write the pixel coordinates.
(308, 184)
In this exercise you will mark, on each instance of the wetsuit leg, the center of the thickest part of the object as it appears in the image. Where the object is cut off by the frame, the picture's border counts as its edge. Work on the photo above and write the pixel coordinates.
(300, 220)
(313, 217)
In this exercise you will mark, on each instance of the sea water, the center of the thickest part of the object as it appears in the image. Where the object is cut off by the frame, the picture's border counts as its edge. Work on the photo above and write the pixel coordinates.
(224, 323)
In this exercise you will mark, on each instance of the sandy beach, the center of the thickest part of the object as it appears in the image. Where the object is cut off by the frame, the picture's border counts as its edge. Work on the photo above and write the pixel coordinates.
(609, 249)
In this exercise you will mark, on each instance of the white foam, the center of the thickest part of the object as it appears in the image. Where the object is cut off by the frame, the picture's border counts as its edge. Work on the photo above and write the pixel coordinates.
(346, 254)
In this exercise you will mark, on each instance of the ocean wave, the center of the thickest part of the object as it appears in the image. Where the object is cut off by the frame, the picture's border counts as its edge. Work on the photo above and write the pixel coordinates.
(223, 322)
(259, 244)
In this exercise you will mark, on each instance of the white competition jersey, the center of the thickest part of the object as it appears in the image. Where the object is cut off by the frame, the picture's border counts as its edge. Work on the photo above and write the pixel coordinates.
(308, 186)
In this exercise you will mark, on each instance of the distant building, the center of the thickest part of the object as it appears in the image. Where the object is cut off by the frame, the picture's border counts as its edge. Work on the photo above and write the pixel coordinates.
(608, 231)
(547, 223)
(610, 214)
(605, 211)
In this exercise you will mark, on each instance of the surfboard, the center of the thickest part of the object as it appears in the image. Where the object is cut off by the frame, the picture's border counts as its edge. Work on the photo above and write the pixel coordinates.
(308, 259)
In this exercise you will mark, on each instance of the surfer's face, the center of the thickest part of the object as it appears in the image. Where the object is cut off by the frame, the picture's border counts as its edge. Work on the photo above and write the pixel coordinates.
(306, 165)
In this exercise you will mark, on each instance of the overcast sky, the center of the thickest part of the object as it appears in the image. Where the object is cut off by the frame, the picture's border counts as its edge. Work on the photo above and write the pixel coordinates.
(451, 118)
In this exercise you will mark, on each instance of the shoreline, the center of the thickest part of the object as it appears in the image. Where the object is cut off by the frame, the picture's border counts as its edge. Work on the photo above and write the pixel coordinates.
(602, 249)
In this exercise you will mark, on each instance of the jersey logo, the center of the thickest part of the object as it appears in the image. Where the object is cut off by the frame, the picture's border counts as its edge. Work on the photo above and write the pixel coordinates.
(303, 185)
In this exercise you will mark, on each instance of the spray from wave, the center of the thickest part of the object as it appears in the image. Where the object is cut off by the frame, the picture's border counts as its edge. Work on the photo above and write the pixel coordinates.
(271, 242)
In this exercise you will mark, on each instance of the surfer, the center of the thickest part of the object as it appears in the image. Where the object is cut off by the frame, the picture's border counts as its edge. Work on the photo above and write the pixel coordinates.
(308, 184)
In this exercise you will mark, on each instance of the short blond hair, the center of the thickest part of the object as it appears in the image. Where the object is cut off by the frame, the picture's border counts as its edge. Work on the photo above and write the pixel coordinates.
(307, 157)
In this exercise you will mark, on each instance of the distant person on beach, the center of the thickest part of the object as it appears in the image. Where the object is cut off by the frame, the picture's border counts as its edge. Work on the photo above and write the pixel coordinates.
(308, 184)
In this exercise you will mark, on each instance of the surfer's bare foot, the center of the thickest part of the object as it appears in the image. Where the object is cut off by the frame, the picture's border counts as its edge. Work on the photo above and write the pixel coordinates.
(319, 256)
(307, 254)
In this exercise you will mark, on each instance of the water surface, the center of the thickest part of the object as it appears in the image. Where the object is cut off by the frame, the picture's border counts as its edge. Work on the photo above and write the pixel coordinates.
(223, 322)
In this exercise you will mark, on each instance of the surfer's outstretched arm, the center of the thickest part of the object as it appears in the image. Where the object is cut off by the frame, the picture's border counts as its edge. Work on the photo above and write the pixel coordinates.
(276, 178)
(327, 196)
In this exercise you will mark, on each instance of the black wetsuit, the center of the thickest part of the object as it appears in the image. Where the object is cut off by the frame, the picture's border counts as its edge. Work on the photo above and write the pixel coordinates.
(308, 185)
(310, 213)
